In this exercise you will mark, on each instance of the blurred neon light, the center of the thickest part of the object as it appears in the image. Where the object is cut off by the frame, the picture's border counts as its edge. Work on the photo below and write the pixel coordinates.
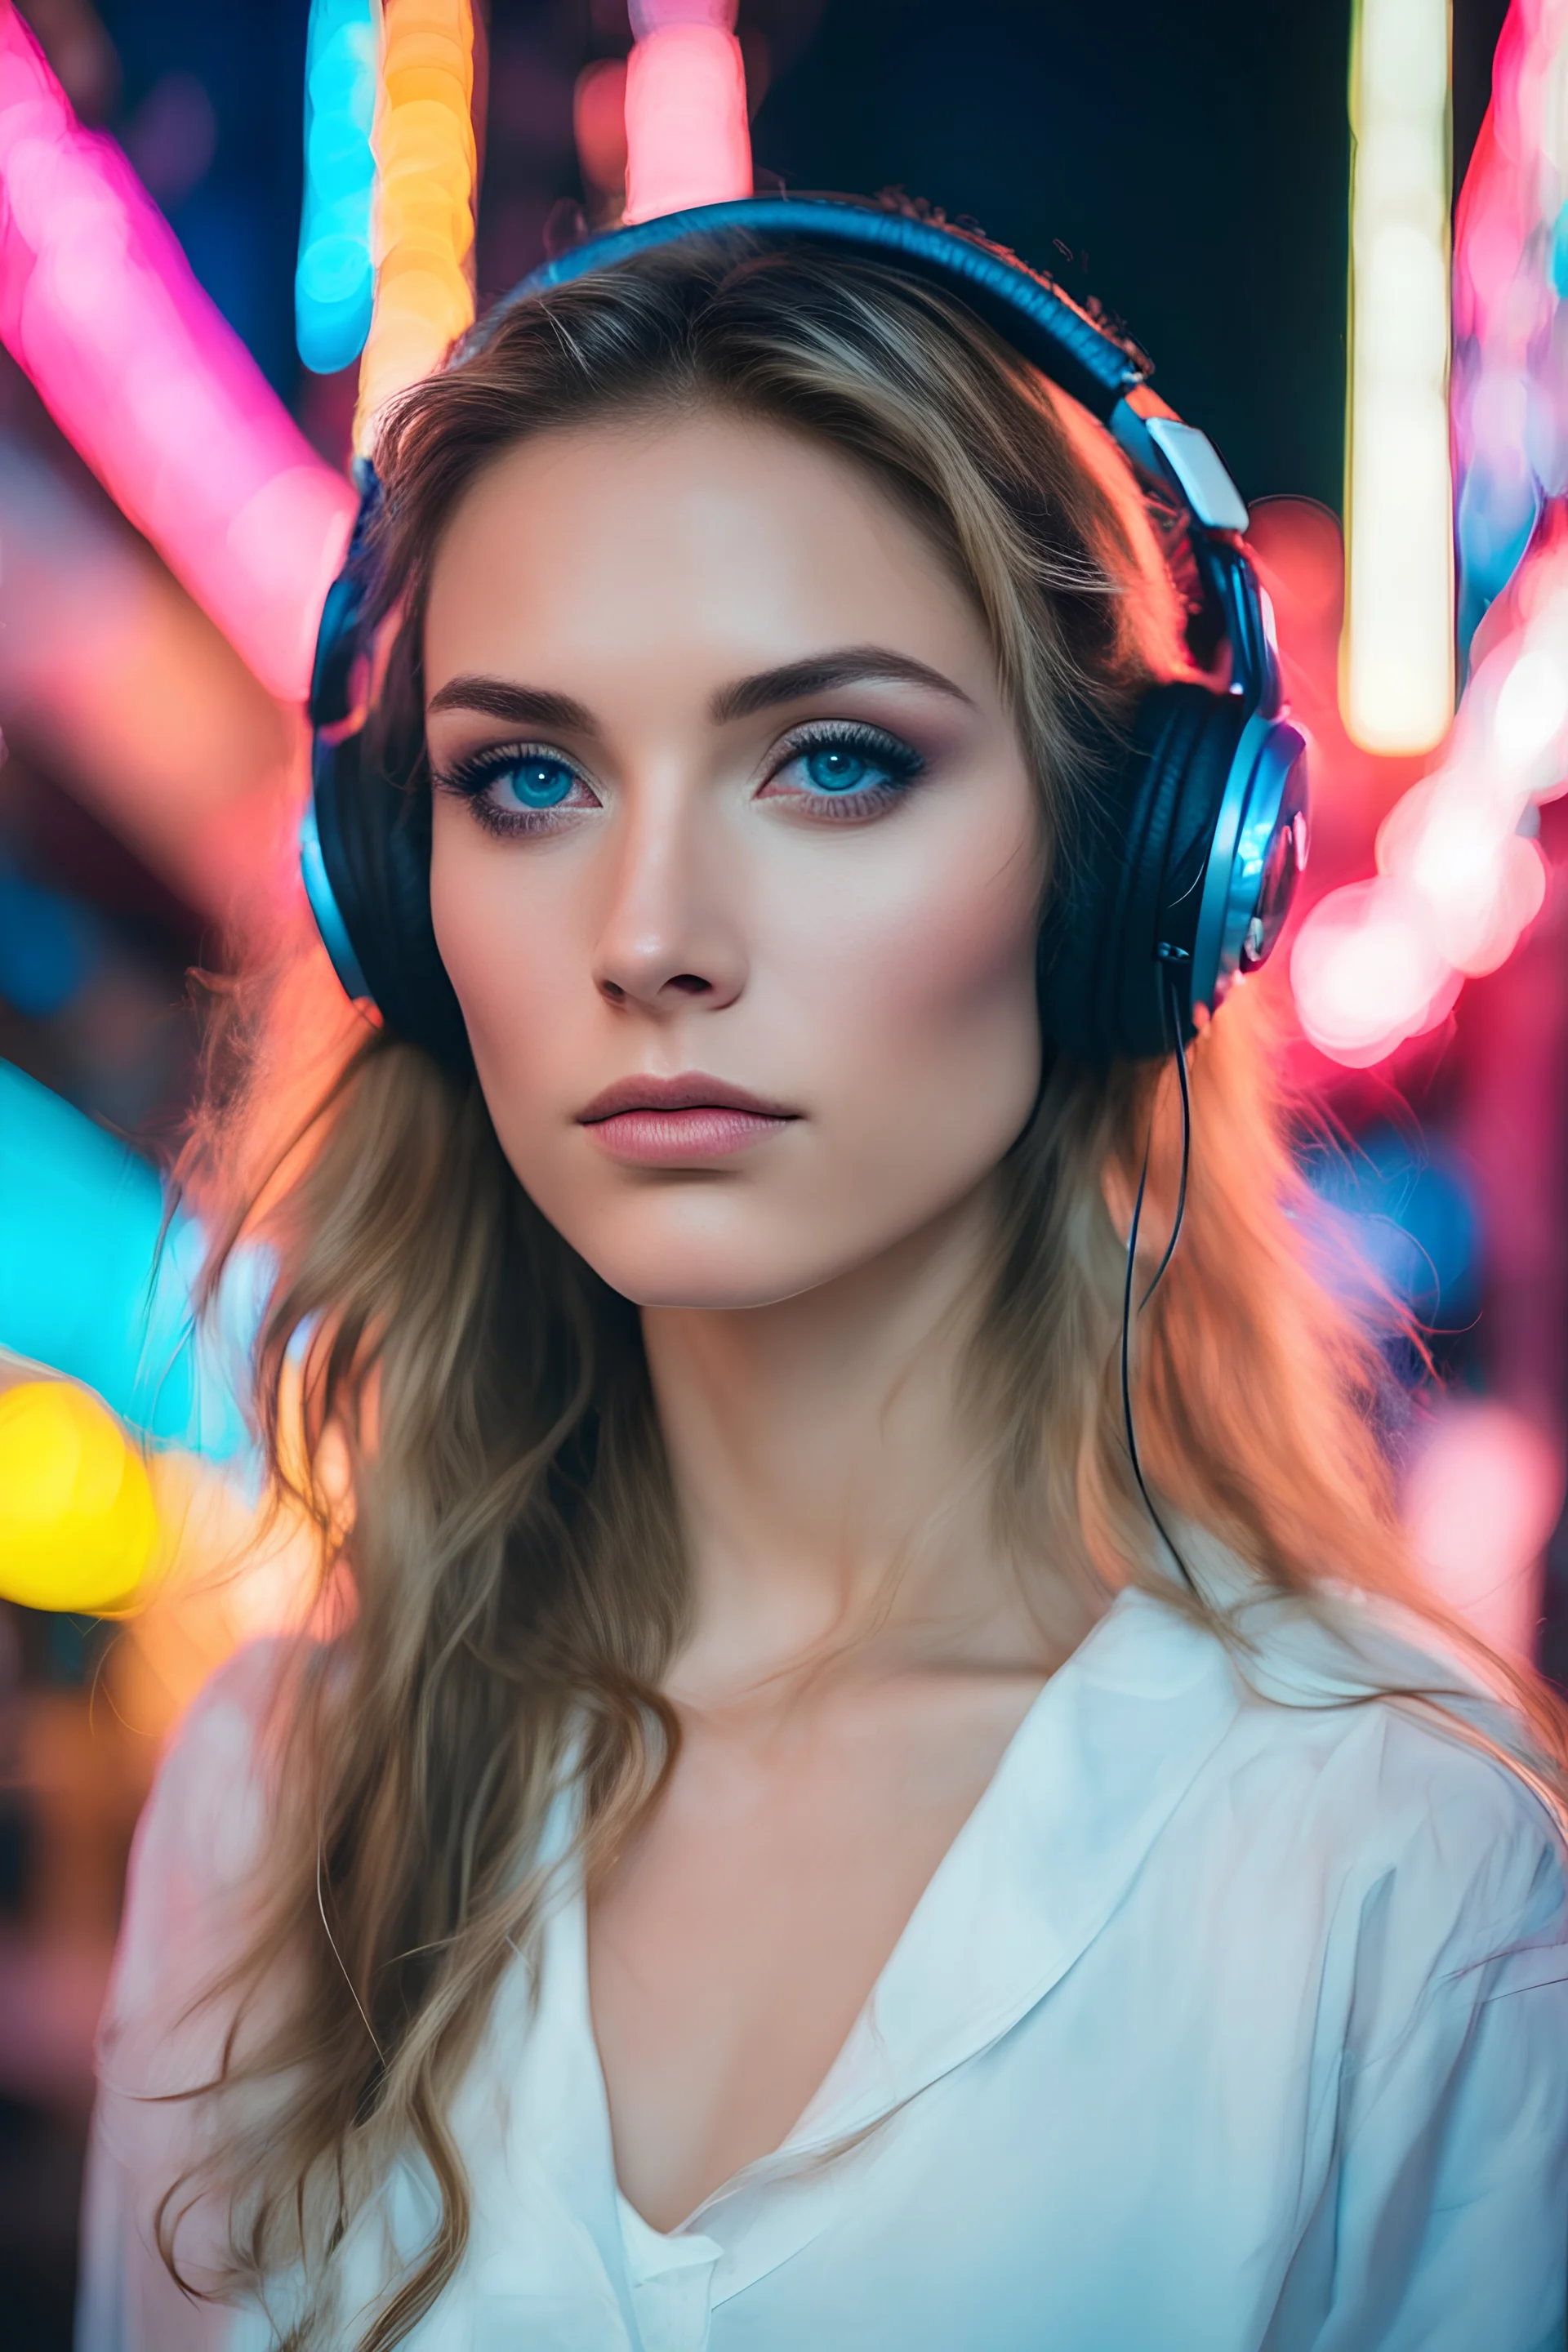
(688, 138)
(93, 1286)
(334, 282)
(98, 304)
(79, 1529)
(1481, 1499)
(599, 127)
(1397, 662)
(425, 201)
(115, 680)
(1459, 876)
(1510, 277)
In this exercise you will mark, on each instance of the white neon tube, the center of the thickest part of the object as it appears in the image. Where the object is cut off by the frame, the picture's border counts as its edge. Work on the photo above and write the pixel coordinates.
(1396, 685)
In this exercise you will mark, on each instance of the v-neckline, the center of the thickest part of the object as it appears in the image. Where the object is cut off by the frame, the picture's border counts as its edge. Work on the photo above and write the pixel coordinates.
(924, 2013)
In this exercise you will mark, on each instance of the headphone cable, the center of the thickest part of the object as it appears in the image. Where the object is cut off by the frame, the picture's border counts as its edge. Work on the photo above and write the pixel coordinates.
(1173, 1010)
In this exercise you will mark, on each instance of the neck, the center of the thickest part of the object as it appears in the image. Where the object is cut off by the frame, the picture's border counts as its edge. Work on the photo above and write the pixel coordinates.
(831, 1498)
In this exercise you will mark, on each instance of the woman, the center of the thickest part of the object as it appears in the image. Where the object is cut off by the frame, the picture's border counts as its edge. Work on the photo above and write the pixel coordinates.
(772, 1842)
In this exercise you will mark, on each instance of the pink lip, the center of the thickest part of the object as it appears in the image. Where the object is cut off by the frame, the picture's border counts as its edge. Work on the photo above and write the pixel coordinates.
(671, 1122)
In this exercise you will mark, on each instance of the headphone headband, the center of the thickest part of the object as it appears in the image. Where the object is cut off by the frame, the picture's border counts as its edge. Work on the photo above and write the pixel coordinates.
(1207, 806)
(1107, 375)
(1025, 306)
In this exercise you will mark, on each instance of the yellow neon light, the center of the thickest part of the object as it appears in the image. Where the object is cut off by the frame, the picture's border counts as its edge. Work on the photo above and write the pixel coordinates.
(423, 142)
(1396, 679)
(79, 1529)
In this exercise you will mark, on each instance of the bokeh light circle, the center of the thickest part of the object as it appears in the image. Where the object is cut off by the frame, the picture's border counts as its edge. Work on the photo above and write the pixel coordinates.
(77, 1524)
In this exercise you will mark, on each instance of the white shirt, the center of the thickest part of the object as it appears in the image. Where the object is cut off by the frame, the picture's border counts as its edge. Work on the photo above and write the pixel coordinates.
(1224, 2026)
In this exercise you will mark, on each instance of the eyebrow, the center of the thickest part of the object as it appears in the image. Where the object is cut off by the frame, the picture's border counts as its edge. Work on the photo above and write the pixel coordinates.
(822, 674)
(519, 706)
(531, 706)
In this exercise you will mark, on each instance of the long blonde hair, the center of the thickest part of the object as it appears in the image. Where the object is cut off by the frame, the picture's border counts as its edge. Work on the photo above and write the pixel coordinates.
(514, 1558)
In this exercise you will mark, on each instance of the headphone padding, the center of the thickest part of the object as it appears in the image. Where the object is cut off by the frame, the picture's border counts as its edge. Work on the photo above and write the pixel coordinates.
(376, 846)
(1130, 877)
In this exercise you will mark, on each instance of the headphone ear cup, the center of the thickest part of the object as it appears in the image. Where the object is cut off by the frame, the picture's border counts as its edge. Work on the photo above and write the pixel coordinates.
(375, 847)
(1130, 874)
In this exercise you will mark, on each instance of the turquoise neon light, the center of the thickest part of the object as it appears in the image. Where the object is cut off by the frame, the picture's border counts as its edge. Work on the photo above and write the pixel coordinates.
(92, 1285)
(335, 279)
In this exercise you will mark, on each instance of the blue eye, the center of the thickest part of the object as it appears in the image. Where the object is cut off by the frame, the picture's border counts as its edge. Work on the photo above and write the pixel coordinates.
(513, 789)
(853, 764)
(536, 783)
(838, 771)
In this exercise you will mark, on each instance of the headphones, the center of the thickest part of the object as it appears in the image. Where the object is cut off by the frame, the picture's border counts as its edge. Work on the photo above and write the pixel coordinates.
(1183, 872)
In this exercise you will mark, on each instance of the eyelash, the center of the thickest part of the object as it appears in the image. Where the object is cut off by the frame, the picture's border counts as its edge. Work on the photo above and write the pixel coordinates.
(469, 779)
(903, 763)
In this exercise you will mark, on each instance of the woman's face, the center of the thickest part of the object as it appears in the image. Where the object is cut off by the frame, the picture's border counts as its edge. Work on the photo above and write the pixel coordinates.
(736, 860)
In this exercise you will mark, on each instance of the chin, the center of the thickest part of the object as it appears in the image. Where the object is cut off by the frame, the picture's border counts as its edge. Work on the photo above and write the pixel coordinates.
(712, 1263)
(714, 1279)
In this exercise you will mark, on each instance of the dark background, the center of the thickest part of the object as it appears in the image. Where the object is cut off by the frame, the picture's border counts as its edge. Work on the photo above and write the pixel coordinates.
(1189, 163)
(1193, 159)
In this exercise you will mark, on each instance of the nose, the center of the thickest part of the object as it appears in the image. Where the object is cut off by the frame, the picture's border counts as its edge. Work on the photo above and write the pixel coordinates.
(670, 932)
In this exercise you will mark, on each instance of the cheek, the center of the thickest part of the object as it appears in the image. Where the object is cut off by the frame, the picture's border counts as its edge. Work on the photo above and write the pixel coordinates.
(923, 1005)
(510, 953)
(961, 977)
(889, 990)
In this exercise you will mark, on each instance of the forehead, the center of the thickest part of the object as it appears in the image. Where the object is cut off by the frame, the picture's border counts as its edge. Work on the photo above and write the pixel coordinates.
(651, 538)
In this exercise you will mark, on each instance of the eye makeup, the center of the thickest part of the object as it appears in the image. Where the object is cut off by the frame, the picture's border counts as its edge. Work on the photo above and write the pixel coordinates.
(542, 782)
(833, 770)
(842, 769)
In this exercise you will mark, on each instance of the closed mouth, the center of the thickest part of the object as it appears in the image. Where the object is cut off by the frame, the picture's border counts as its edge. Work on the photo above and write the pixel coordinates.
(691, 1091)
(678, 1123)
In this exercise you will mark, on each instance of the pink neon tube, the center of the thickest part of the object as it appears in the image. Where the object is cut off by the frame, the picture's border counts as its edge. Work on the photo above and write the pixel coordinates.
(99, 306)
(687, 140)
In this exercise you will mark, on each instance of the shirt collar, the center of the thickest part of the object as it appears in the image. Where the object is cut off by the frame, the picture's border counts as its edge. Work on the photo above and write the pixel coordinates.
(1095, 1770)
